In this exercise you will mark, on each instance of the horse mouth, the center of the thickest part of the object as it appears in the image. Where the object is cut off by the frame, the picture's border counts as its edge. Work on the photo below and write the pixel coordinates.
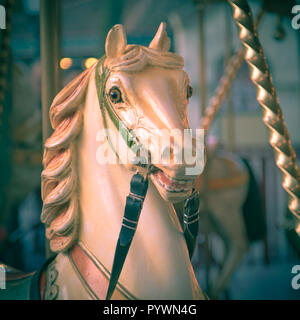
(173, 185)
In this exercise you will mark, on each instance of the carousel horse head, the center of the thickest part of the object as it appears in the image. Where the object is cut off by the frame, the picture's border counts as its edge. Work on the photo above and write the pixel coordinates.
(142, 88)
(149, 91)
(126, 113)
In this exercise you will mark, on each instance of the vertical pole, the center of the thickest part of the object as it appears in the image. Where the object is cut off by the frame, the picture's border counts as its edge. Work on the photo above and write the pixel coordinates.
(50, 45)
(230, 112)
(49, 59)
(266, 96)
(58, 75)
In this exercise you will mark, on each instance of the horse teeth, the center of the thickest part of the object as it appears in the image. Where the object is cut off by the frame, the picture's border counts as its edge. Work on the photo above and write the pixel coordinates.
(179, 181)
(170, 189)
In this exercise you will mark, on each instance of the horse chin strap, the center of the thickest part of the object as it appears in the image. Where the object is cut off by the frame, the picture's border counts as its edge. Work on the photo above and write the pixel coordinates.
(138, 190)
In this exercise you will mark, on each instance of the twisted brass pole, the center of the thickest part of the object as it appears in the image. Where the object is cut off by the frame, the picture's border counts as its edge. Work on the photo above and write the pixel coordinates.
(222, 90)
(225, 83)
(266, 96)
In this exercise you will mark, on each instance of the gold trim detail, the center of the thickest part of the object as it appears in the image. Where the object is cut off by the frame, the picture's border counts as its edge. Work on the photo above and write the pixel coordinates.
(121, 288)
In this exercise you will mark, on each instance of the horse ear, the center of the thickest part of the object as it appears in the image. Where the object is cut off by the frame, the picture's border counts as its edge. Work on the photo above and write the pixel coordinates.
(116, 42)
(161, 41)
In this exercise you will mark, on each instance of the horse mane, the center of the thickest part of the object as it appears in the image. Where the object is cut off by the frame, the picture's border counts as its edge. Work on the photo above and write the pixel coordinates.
(61, 210)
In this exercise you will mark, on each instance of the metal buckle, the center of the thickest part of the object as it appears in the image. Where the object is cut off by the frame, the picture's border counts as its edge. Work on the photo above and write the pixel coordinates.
(143, 166)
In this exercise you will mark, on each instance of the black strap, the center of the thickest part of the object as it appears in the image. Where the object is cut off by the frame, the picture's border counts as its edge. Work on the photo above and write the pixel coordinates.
(134, 204)
(190, 221)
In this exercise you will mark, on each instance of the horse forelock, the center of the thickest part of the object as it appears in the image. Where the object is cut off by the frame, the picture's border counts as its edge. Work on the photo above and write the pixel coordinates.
(136, 57)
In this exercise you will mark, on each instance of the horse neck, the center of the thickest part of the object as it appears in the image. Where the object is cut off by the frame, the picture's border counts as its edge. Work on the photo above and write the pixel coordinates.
(157, 264)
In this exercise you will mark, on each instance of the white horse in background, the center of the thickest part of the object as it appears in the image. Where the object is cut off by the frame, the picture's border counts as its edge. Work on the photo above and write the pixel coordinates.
(223, 190)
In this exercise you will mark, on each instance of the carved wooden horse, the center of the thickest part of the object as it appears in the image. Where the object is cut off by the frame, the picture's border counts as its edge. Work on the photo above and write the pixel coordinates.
(84, 200)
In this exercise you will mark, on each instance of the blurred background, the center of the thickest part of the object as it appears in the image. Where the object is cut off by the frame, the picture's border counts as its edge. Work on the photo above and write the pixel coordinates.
(204, 33)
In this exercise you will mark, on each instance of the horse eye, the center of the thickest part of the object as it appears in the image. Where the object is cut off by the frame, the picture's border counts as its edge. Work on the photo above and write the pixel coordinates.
(115, 95)
(189, 91)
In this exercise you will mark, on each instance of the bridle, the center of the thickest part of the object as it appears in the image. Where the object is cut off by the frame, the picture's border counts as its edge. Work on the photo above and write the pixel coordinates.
(128, 135)
(138, 185)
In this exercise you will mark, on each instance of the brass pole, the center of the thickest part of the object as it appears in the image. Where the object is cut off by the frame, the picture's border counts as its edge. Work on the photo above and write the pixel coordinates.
(49, 59)
(50, 45)
(279, 138)
(222, 90)
(230, 109)
(58, 75)
(231, 69)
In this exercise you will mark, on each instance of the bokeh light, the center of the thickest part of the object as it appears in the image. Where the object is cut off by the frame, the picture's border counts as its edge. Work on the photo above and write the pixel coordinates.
(65, 63)
(89, 62)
